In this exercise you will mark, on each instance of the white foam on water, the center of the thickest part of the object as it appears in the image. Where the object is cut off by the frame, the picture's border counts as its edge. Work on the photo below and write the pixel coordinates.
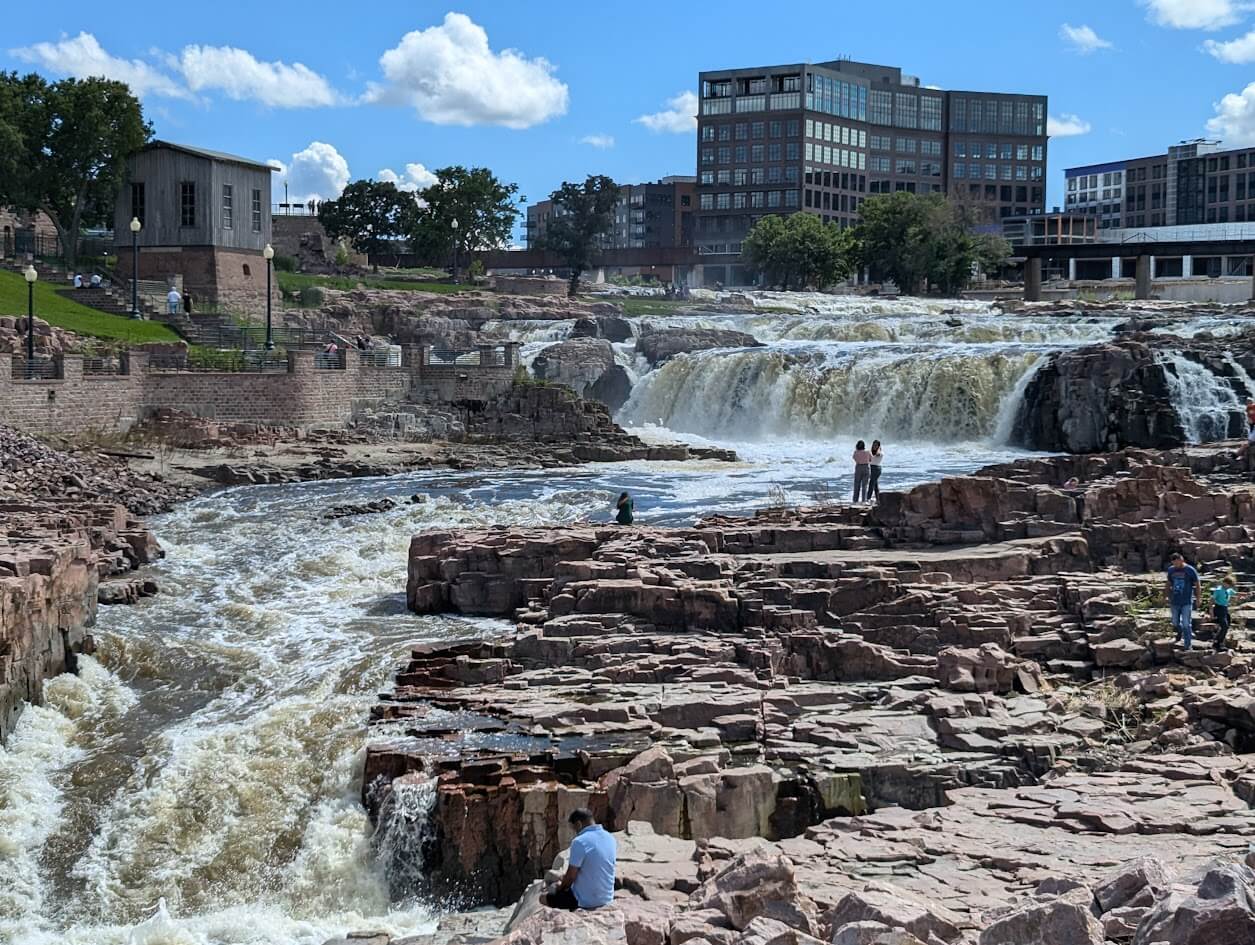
(1204, 401)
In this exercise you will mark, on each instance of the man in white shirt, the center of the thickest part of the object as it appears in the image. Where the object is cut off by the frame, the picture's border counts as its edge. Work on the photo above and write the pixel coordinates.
(172, 301)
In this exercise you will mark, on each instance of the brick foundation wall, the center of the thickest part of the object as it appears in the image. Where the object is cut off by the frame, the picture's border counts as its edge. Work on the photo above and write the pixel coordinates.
(304, 395)
(235, 279)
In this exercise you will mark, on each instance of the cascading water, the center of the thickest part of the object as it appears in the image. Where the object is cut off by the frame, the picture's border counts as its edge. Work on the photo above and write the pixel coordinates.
(404, 835)
(1207, 404)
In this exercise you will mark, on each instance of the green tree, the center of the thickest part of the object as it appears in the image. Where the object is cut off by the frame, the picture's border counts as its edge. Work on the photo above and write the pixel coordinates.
(583, 215)
(368, 213)
(481, 204)
(915, 240)
(70, 143)
(800, 250)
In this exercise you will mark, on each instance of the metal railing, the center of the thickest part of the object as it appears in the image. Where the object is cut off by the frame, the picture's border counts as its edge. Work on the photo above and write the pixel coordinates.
(224, 362)
(329, 361)
(449, 357)
(103, 366)
(40, 369)
(227, 335)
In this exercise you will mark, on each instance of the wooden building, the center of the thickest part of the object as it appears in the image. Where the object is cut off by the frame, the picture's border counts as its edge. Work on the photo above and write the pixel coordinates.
(206, 220)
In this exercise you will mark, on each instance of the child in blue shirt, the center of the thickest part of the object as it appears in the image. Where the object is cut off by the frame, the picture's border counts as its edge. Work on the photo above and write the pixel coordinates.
(1221, 597)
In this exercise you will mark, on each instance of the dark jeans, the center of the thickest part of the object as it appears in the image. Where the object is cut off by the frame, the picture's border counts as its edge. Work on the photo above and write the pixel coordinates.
(562, 899)
(873, 485)
(860, 481)
(1222, 621)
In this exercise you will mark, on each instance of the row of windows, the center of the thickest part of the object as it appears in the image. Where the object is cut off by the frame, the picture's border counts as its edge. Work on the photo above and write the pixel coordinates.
(789, 151)
(905, 109)
(906, 186)
(928, 147)
(752, 129)
(753, 199)
(837, 157)
(743, 176)
(997, 115)
(187, 205)
(842, 203)
(996, 171)
(818, 178)
(836, 97)
(994, 151)
(837, 134)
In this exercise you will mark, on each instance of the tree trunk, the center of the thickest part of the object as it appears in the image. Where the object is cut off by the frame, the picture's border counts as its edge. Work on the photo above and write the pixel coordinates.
(574, 287)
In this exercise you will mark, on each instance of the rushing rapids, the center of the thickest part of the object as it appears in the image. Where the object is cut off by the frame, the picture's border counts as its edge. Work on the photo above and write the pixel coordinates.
(210, 755)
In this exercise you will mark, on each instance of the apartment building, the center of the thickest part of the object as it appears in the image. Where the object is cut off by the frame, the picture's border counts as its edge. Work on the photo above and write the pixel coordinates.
(1193, 182)
(649, 215)
(823, 137)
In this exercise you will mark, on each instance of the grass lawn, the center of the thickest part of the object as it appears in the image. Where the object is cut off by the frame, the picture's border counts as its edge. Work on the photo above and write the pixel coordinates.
(56, 309)
(291, 282)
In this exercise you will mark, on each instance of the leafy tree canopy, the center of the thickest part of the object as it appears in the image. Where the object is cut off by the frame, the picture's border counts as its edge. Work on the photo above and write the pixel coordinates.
(583, 215)
(481, 204)
(800, 251)
(369, 213)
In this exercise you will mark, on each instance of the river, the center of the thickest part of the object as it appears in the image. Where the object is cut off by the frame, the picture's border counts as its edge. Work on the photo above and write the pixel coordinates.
(209, 755)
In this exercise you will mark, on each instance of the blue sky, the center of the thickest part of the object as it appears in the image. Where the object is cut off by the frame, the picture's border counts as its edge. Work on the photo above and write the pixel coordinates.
(553, 90)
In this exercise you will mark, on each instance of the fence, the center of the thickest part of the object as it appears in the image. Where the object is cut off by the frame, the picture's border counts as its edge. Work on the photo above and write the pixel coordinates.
(103, 366)
(329, 361)
(40, 369)
(447, 357)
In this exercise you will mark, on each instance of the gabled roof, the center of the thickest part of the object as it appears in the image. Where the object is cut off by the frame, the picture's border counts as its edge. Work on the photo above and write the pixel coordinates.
(207, 154)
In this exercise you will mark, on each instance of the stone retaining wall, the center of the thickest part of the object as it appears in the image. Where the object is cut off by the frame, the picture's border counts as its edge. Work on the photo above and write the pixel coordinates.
(303, 395)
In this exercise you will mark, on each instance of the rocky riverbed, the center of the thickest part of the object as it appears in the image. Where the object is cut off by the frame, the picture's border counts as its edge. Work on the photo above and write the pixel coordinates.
(956, 717)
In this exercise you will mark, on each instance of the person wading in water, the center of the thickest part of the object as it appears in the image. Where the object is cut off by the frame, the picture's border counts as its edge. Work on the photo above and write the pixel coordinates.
(625, 507)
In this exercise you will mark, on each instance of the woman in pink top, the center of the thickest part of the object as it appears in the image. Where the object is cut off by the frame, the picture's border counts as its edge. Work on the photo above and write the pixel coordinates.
(862, 470)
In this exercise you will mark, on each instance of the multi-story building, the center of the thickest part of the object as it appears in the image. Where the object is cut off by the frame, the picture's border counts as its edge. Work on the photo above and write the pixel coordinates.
(647, 215)
(823, 137)
(1194, 182)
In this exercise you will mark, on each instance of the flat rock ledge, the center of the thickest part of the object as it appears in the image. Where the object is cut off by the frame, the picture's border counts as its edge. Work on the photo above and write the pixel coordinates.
(959, 717)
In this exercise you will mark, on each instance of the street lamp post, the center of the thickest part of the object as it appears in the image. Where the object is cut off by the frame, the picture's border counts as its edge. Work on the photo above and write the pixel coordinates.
(454, 224)
(269, 253)
(31, 275)
(136, 226)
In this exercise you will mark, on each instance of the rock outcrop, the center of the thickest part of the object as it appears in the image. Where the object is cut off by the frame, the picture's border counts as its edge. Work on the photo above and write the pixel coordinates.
(658, 344)
(587, 366)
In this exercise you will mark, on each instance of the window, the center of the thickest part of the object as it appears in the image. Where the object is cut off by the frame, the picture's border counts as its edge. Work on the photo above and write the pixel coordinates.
(756, 199)
(757, 151)
(708, 132)
(708, 155)
(706, 201)
(1005, 172)
(774, 129)
(725, 155)
(882, 143)
(991, 151)
(723, 201)
(757, 175)
(905, 145)
(724, 177)
(742, 131)
(791, 128)
(1037, 152)
(960, 149)
(930, 112)
(1021, 172)
(187, 203)
(790, 175)
(809, 151)
(775, 174)
(773, 198)
(742, 154)
(228, 210)
(790, 198)
(991, 172)
(773, 151)
(725, 132)
(791, 151)
(810, 128)
(256, 210)
(905, 110)
(960, 171)
(756, 129)
(137, 202)
(1006, 152)
(738, 201)
(740, 177)
(880, 107)
(706, 177)
(1021, 152)
(905, 167)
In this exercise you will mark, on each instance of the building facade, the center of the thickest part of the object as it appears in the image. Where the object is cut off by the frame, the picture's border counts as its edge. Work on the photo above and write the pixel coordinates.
(205, 220)
(822, 138)
(647, 216)
(1192, 183)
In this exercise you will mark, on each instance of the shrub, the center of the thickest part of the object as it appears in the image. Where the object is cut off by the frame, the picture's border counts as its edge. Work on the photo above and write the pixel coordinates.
(310, 296)
(476, 269)
(284, 263)
(342, 254)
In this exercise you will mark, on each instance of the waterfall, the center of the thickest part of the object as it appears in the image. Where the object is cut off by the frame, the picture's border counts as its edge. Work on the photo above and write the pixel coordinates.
(902, 392)
(405, 834)
(1205, 402)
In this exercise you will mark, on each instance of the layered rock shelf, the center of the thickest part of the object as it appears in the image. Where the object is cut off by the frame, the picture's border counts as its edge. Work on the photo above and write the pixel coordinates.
(67, 542)
(956, 717)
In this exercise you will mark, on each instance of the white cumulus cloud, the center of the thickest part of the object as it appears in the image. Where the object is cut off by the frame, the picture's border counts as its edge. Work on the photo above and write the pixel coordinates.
(82, 57)
(319, 171)
(1082, 38)
(241, 75)
(1234, 121)
(1066, 126)
(679, 117)
(598, 141)
(451, 76)
(415, 177)
(1238, 51)
(1194, 14)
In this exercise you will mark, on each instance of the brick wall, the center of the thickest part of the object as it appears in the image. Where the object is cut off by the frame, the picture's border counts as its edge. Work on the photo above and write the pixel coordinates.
(304, 395)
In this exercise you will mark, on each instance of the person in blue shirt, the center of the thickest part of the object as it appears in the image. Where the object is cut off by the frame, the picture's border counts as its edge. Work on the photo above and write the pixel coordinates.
(589, 880)
(1221, 598)
(1183, 589)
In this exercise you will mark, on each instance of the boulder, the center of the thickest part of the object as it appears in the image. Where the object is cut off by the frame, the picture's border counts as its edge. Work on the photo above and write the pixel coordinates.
(1136, 883)
(1046, 923)
(1222, 910)
(756, 883)
(896, 909)
(659, 344)
(987, 668)
(872, 933)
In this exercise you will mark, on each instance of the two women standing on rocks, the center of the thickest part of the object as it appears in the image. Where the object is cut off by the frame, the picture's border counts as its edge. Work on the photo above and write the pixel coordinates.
(867, 471)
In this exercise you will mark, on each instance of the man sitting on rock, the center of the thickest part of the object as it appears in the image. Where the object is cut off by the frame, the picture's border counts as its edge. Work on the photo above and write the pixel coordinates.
(589, 879)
